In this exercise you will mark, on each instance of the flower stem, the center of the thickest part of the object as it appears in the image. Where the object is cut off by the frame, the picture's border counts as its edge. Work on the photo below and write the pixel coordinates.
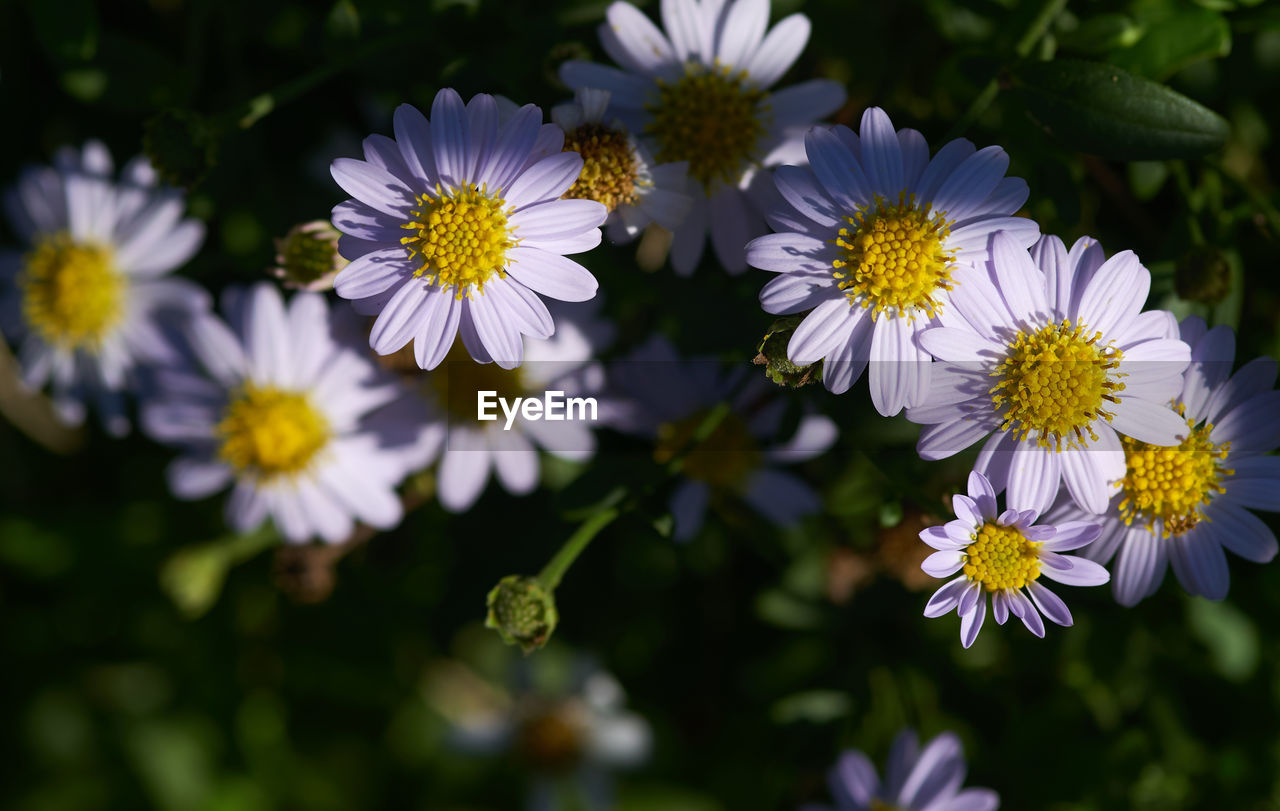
(1259, 200)
(260, 106)
(619, 502)
(586, 532)
(1049, 10)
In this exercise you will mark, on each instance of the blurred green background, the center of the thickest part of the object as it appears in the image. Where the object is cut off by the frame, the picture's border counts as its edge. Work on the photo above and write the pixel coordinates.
(754, 655)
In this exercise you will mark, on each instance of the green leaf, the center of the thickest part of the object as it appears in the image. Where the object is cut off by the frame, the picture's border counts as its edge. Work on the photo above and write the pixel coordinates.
(814, 706)
(1098, 35)
(1105, 111)
(1230, 636)
(67, 30)
(1175, 42)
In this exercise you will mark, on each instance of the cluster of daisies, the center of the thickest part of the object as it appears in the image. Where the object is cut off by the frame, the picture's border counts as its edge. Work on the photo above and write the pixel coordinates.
(1110, 429)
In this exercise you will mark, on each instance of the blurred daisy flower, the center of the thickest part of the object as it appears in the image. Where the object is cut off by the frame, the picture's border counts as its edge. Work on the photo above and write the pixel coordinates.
(1003, 554)
(454, 231)
(618, 171)
(872, 239)
(272, 404)
(559, 716)
(915, 779)
(1051, 354)
(1184, 505)
(86, 302)
(470, 449)
(656, 394)
(699, 93)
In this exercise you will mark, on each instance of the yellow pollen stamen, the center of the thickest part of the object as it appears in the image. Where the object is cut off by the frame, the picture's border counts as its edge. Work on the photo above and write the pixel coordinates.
(72, 295)
(1055, 382)
(1001, 558)
(608, 165)
(457, 381)
(723, 459)
(1168, 486)
(462, 236)
(710, 117)
(880, 805)
(892, 257)
(268, 432)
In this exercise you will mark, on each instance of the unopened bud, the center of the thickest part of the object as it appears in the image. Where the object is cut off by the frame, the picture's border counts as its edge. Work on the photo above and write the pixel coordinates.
(523, 612)
(1203, 274)
(773, 356)
(182, 146)
(307, 257)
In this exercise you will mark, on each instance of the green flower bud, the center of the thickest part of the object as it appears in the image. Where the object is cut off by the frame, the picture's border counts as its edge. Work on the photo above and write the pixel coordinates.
(1203, 274)
(182, 146)
(523, 612)
(307, 258)
(773, 356)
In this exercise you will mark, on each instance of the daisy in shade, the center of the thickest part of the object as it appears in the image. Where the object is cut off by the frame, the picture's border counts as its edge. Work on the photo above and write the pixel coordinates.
(1184, 505)
(663, 397)
(873, 239)
(86, 301)
(1003, 554)
(617, 170)
(915, 779)
(699, 93)
(453, 230)
(473, 449)
(1050, 353)
(274, 406)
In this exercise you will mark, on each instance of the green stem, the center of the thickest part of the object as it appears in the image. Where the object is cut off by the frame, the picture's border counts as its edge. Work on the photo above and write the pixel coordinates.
(617, 503)
(263, 104)
(1049, 9)
(1259, 200)
(705, 429)
(586, 532)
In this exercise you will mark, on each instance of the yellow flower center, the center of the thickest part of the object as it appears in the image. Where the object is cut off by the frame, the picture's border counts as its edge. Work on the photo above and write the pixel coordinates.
(457, 381)
(267, 432)
(893, 258)
(724, 459)
(1001, 558)
(880, 805)
(72, 295)
(1055, 382)
(1169, 485)
(462, 236)
(710, 117)
(552, 740)
(608, 165)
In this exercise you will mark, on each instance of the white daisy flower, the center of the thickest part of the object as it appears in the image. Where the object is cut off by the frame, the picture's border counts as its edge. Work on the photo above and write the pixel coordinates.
(915, 779)
(618, 172)
(453, 230)
(700, 93)
(1051, 353)
(658, 395)
(277, 406)
(872, 239)
(1184, 505)
(559, 716)
(469, 449)
(1002, 555)
(85, 302)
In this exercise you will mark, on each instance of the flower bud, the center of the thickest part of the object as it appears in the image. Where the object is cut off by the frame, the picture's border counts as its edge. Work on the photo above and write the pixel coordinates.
(1203, 274)
(307, 258)
(182, 146)
(523, 612)
(773, 356)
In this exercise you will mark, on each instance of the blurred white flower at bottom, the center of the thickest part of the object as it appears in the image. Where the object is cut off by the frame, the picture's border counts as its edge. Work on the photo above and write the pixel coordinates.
(557, 714)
